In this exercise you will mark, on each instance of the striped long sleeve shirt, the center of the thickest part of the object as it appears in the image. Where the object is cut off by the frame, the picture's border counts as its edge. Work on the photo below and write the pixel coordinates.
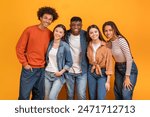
(121, 53)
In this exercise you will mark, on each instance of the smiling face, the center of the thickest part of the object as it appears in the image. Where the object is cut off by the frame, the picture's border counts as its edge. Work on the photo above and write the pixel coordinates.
(109, 32)
(58, 33)
(75, 27)
(46, 20)
(94, 34)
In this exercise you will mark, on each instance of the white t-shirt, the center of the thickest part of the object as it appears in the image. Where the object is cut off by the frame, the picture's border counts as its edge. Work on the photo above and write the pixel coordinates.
(52, 65)
(95, 47)
(75, 48)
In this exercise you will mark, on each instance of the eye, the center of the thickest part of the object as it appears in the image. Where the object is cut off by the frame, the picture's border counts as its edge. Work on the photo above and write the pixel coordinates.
(96, 31)
(90, 33)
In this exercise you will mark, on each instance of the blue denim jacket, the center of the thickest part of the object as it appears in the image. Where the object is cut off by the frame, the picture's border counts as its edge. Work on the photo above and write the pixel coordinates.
(64, 58)
(84, 43)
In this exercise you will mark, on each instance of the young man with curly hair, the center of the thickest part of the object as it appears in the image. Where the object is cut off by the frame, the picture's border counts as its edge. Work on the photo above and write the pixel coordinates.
(31, 50)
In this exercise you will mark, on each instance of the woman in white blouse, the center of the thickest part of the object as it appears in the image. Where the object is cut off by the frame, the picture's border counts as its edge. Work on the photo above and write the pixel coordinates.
(125, 68)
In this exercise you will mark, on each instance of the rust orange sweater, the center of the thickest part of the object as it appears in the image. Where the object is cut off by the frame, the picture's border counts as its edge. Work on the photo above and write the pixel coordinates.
(32, 46)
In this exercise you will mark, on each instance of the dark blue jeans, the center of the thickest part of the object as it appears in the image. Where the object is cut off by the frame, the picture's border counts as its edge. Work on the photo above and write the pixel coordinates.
(96, 85)
(32, 81)
(122, 93)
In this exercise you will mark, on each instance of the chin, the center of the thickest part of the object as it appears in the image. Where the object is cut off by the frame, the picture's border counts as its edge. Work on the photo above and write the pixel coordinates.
(76, 33)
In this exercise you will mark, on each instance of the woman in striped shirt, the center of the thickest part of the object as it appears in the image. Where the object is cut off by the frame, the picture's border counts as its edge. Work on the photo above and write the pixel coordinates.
(125, 68)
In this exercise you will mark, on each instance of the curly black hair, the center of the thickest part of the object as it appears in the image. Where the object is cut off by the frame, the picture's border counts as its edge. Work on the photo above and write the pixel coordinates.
(75, 18)
(47, 10)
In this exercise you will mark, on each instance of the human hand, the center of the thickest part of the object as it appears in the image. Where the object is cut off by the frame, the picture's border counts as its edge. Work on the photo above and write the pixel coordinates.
(127, 84)
(28, 67)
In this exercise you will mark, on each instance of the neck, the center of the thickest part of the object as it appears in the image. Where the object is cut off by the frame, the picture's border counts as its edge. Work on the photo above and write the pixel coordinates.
(41, 27)
(57, 41)
(114, 38)
(96, 41)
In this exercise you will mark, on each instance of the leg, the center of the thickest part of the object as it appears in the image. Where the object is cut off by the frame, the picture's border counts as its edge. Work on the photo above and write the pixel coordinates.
(118, 85)
(38, 90)
(70, 81)
(91, 86)
(48, 86)
(101, 89)
(81, 82)
(27, 80)
(56, 87)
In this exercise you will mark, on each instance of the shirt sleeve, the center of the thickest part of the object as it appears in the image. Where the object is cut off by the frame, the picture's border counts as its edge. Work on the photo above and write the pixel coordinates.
(127, 53)
(21, 48)
(109, 62)
(68, 57)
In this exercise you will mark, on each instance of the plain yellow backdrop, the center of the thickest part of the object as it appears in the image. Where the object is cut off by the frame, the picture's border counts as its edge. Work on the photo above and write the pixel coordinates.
(131, 16)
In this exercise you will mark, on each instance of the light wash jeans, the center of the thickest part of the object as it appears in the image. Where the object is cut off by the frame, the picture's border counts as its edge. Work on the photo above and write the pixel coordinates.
(79, 81)
(122, 93)
(53, 86)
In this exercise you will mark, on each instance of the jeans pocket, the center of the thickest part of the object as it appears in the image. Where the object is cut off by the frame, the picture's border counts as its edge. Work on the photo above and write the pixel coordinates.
(26, 73)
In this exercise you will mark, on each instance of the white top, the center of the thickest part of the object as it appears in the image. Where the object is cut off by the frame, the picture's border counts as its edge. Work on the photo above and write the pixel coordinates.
(52, 65)
(95, 47)
(75, 48)
(121, 53)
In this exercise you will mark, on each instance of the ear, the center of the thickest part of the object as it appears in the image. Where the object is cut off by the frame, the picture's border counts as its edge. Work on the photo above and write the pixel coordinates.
(41, 18)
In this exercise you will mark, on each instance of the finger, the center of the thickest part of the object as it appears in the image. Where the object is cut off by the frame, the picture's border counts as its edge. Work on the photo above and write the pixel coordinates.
(31, 69)
(129, 87)
(131, 84)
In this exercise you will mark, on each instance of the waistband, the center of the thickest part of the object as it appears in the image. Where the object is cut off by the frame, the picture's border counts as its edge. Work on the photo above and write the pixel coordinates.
(120, 63)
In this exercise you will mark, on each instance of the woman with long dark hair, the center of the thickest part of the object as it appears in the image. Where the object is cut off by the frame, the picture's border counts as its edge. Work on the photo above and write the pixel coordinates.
(100, 64)
(125, 68)
(58, 61)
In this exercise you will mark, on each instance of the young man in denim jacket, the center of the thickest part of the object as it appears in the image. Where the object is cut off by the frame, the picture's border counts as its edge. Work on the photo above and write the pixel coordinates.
(77, 76)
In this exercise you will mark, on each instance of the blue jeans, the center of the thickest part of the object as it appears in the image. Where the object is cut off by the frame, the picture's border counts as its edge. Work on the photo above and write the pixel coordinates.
(80, 80)
(122, 93)
(96, 85)
(32, 81)
(53, 86)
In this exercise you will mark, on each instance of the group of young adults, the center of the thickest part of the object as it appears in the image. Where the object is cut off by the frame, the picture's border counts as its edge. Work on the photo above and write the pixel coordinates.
(74, 57)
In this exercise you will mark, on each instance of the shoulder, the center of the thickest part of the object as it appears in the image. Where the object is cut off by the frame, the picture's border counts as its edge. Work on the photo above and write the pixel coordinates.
(63, 43)
(109, 44)
(83, 32)
(122, 40)
(32, 27)
(103, 43)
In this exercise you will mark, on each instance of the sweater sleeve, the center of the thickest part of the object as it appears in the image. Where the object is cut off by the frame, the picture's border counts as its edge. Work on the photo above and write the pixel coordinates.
(127, 53)
(21, 48)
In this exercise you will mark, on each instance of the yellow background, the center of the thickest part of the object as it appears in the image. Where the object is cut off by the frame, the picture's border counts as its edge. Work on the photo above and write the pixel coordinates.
(131, 16)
